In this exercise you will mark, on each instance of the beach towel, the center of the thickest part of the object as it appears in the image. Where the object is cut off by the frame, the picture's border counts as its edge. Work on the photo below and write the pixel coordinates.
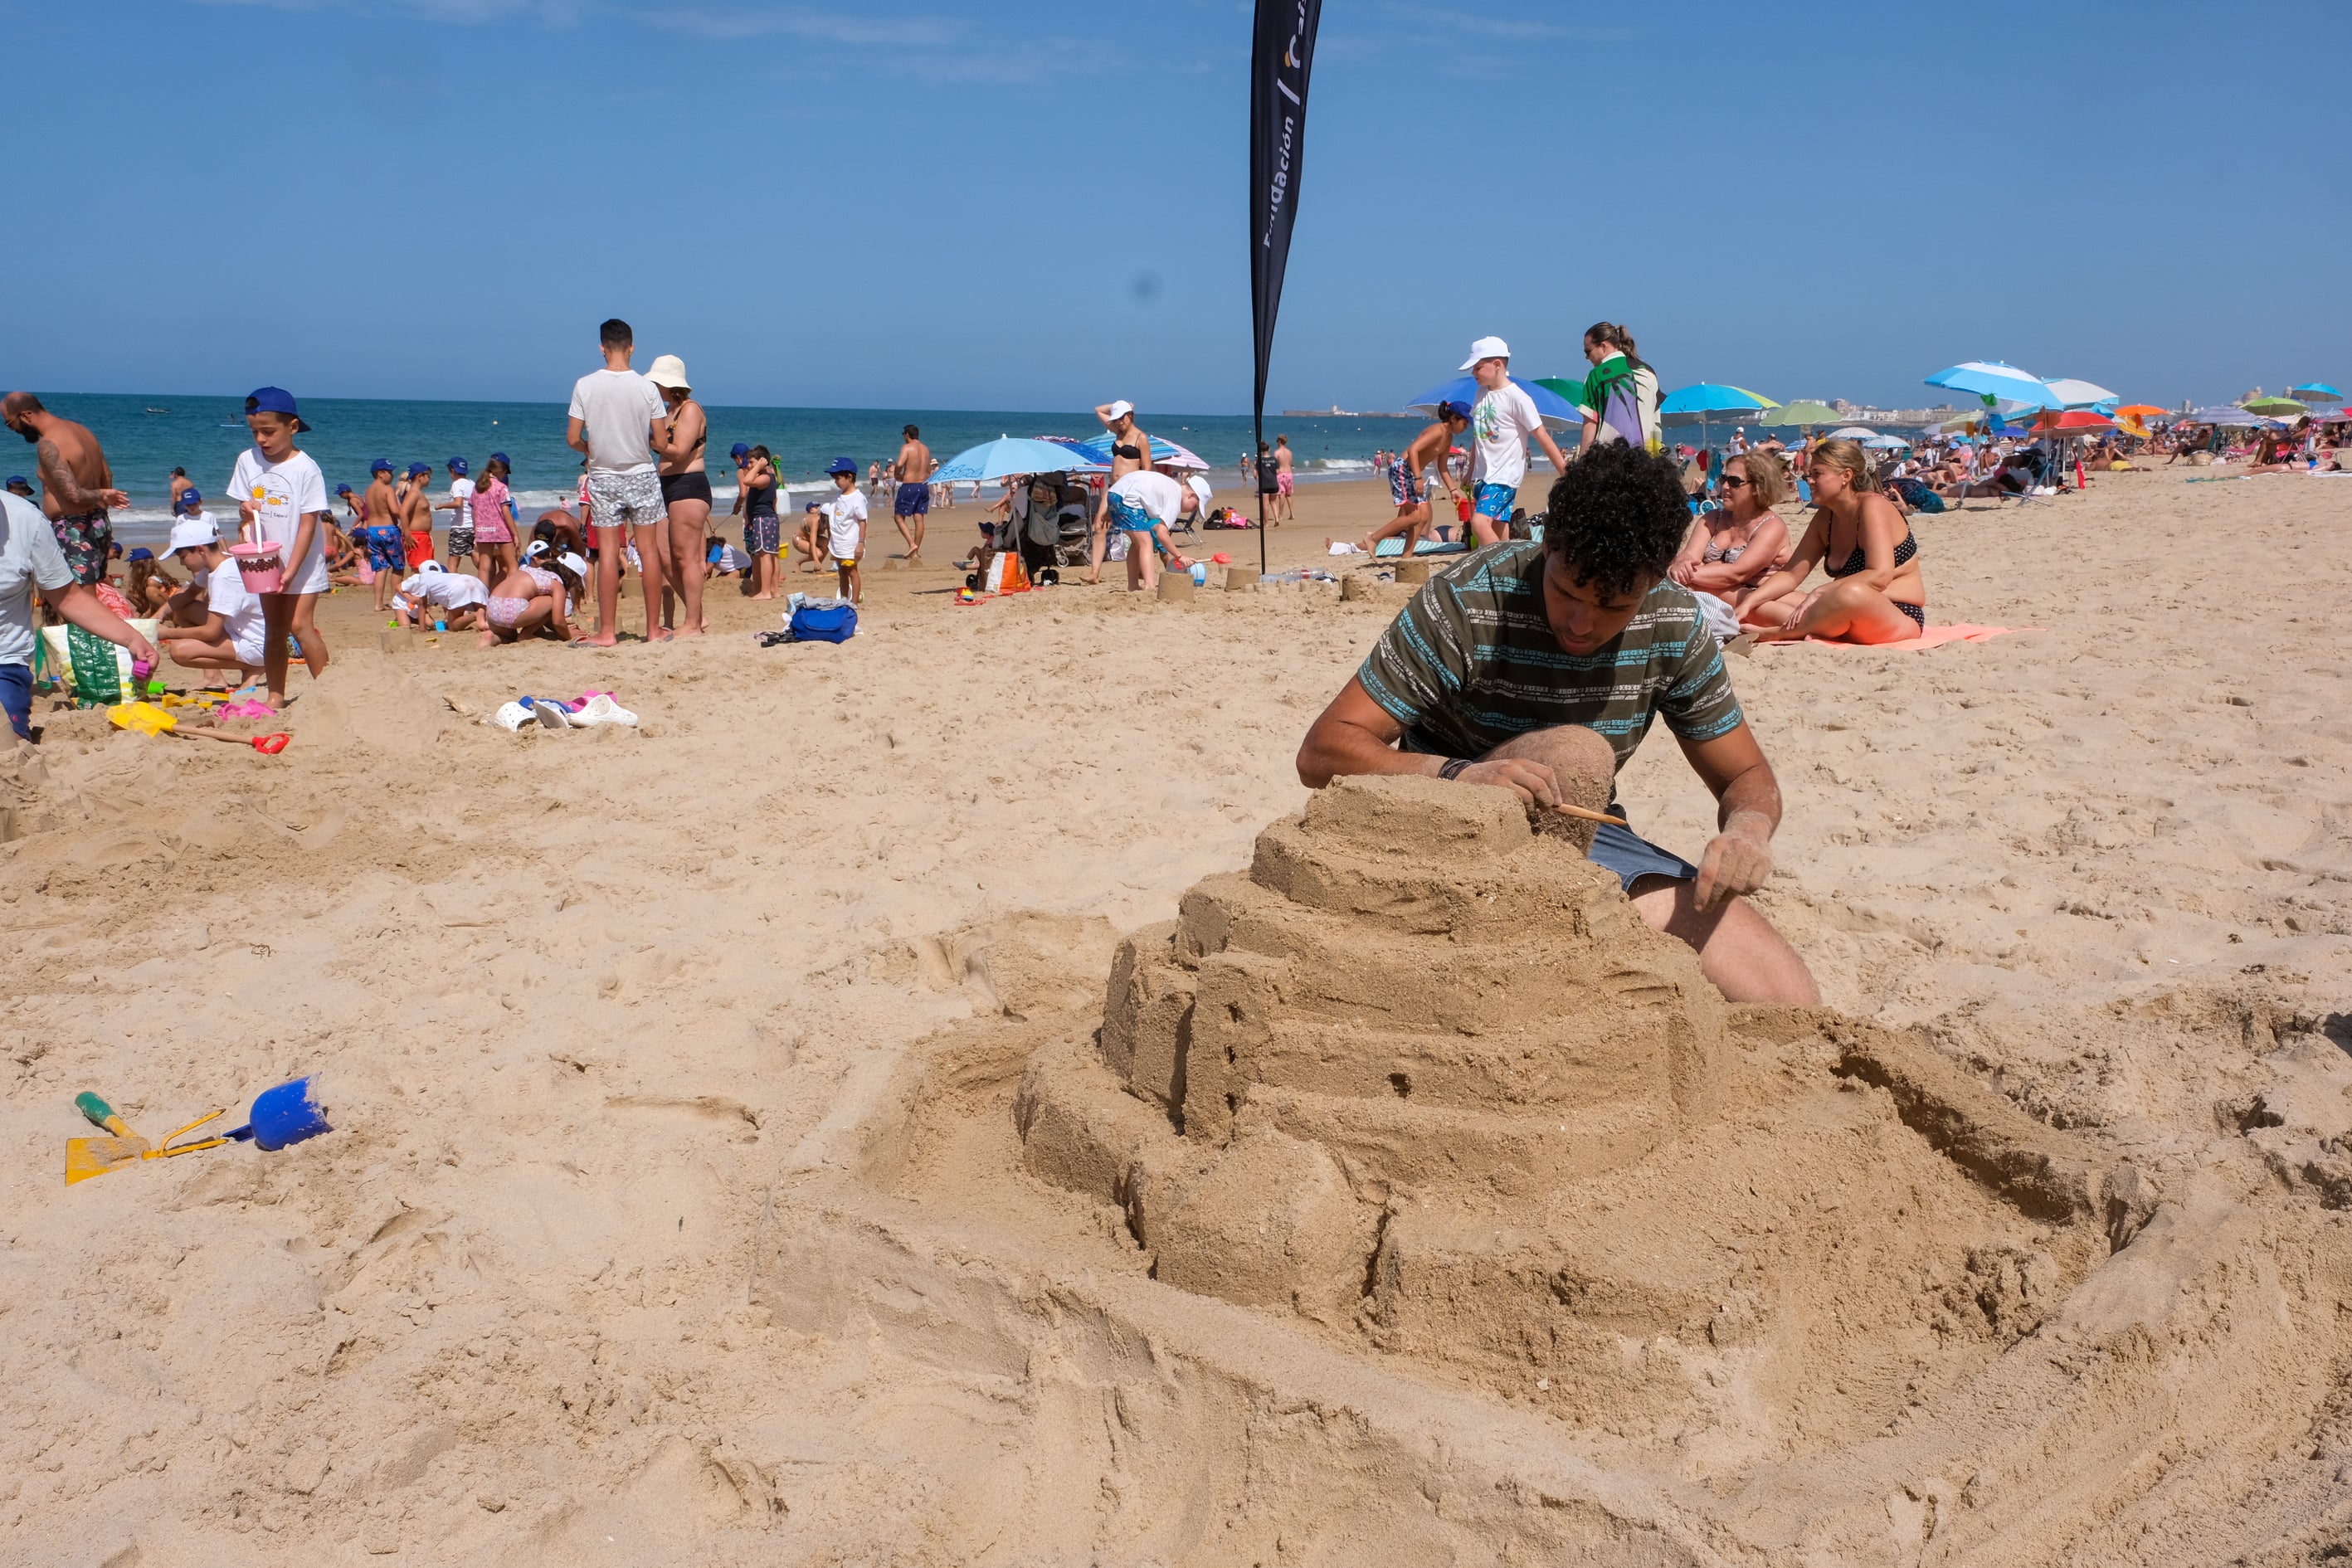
(1934, 637)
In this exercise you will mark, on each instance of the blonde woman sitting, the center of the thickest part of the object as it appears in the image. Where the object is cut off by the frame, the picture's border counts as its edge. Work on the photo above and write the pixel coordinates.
(1875, 593)
(1731, 550)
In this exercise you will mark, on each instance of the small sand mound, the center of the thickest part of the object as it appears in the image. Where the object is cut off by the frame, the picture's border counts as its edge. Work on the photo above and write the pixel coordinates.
(1423, 1076)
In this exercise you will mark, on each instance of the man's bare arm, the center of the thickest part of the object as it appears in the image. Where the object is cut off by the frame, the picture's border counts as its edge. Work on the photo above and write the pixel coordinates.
(1357, 735)
(57, 480)
(1748, 813)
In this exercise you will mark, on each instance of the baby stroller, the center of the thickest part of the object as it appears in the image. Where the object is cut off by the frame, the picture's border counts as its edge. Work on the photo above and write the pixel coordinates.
(1072, 511)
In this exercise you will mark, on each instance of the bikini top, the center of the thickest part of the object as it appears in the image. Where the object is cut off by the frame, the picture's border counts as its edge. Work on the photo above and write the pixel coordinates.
(1854, 562)
(1716, 553)
(1134, 454)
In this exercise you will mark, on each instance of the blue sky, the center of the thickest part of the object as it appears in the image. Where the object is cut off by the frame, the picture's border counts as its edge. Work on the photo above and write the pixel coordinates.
(1040, 205)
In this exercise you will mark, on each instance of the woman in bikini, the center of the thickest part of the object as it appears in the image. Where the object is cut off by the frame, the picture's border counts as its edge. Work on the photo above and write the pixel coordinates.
(685, 491)
(1875, 593)
(534, 599)
(1130, 453)
(1731, 550)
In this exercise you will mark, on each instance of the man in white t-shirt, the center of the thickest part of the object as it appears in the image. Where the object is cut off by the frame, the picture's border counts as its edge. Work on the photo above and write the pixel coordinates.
(1142, 505)
(452, 598)
(847, 531)
(282, 500)
(617, 415)
(461, 508)
(1500, 424)
(32, 561)
(233, 632)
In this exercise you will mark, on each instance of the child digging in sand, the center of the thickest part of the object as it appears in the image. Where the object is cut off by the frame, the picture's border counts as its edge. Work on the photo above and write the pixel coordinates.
(532, 600)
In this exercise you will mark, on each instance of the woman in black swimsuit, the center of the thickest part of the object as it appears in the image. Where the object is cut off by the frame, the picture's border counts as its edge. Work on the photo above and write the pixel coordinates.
(685, 491)
(1130, 451)
(1875, 593)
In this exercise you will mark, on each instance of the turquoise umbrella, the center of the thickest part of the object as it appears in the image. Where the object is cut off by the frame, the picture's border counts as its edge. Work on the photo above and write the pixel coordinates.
(1010, 455)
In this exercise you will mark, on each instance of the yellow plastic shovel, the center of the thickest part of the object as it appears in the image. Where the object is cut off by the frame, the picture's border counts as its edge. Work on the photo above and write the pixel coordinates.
(87, 1157)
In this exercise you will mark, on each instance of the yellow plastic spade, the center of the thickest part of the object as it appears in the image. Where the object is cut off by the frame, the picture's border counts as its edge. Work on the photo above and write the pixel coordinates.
(144, 718)
(87, 1157)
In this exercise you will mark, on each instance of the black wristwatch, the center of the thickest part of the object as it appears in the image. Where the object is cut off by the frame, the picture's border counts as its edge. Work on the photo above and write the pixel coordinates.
(1453, 767)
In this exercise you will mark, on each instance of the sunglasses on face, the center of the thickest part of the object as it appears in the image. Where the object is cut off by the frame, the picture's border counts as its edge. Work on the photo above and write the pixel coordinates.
(1732, 482)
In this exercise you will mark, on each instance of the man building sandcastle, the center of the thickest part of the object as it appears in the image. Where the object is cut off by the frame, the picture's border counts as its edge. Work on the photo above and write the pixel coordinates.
(1536, 668)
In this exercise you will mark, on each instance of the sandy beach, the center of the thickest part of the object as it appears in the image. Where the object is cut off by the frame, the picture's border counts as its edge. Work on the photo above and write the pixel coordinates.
(677, 1208)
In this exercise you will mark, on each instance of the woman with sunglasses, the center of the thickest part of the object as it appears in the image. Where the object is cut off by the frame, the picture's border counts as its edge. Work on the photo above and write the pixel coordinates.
(1875, 593)
(1735, 546)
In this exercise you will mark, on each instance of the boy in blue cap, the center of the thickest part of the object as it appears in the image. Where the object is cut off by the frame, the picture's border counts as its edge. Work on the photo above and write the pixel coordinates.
(849, 530)
(281, 499)
(461, 508)
(386, 555)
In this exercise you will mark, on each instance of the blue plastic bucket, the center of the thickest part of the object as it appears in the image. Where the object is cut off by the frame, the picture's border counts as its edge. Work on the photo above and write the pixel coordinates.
(288, 1114)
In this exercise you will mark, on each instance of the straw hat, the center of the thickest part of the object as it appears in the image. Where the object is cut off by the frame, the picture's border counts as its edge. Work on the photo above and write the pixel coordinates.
(669, 373)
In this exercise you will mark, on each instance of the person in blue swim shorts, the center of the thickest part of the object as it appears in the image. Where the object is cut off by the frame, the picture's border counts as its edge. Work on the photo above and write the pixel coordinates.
(1142, 505)
(1501, 422)
(910, 508)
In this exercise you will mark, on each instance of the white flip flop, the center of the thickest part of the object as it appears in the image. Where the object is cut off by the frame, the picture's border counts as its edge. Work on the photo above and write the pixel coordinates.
(602, 709)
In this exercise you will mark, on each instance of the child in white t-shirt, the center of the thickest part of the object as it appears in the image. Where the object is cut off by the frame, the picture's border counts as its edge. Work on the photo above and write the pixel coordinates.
(848, 529)
(282, 500)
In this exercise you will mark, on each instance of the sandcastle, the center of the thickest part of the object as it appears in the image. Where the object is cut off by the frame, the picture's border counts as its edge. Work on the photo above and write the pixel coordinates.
(1423, 1078)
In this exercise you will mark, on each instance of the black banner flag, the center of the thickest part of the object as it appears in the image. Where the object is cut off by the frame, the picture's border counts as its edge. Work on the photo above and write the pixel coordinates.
(1280, 61)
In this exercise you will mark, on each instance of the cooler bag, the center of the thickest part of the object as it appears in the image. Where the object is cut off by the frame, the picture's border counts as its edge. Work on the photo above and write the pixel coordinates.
(833, 621)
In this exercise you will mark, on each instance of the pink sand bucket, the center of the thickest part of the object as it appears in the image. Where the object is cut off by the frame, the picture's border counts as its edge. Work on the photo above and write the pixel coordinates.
(263, 566)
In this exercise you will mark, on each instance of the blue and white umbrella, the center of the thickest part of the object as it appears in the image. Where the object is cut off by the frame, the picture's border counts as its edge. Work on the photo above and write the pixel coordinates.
(1165, 454)
(2315, 392)
(1008, 454)
(1993, 381)
(1465, 390)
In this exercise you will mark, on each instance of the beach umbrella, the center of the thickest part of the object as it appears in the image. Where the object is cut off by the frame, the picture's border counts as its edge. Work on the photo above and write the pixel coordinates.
(2273, 407)
(1712, 397)
(1556, 411)
(1854, 433)
(1569, 388)
(2140, 411)
(2315, 392)
(1165, 454)
(1010, 455)
(1705, 402)
(1886, 443)
(1995, 382)
(2235, 419)
(2072, 422)
(1804, 411)
(2080, 394)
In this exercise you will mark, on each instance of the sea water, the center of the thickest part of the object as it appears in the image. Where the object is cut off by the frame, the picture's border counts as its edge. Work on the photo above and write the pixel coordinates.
(146, 436)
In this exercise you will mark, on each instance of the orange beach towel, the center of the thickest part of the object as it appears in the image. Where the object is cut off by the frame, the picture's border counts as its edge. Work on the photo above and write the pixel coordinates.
(1934, 637)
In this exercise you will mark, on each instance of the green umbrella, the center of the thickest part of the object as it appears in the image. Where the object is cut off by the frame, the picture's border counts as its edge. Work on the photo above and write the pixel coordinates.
(2274, 407)
(1803, 411)
(1569, 388)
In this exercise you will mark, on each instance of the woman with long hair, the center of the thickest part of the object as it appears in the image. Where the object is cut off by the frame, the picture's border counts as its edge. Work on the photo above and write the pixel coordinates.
(685, 491)
(1875, 593)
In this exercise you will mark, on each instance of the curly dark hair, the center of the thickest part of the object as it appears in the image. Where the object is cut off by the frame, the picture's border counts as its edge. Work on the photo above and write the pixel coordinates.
(1616, 517)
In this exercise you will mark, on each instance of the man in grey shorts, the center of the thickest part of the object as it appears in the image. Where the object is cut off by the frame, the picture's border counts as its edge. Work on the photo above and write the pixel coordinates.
(617, 415)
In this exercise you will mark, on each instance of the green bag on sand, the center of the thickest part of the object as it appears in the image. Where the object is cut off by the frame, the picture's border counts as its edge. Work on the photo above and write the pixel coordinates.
(91, 670)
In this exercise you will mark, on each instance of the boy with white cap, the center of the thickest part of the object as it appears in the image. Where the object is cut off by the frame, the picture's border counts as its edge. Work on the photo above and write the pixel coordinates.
(1501, 422)
(454, 599)
(848, 528)
(1142, 505)
(232, 633)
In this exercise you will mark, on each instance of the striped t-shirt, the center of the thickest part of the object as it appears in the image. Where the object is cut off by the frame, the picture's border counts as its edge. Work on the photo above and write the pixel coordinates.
(1472, 661)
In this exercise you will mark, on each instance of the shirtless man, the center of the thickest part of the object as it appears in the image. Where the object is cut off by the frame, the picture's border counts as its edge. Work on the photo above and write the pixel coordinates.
(912, 508)
(77, 487)
(415, 504)
(1282, 458)
(387, 540)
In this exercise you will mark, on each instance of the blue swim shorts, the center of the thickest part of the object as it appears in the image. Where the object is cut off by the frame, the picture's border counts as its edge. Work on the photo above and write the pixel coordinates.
(1404, 489)
(16, 698)
(1131, 516)
(914, 500)
(385, 554)
(1494, 501)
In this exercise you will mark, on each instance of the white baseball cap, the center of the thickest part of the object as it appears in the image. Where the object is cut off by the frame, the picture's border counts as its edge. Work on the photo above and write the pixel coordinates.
(194, 533)
(1199, 488)
(1486, 348)
(429, 566)
(1121, 409)
(669, 371)
(579, 567)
